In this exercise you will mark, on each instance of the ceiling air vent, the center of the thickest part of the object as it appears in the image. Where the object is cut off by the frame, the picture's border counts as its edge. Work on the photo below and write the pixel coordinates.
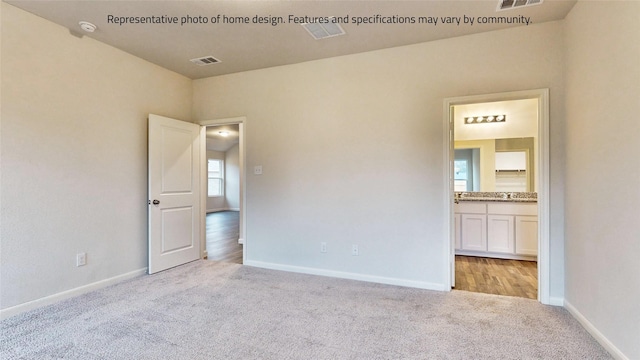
(206, 60)
(516, 4)
(323, 31)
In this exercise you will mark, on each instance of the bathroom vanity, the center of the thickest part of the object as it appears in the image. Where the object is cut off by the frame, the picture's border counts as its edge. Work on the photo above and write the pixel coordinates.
(496, 224)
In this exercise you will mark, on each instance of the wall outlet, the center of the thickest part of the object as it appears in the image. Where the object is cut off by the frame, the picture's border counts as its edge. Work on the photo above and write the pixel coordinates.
(323, 247)
(81, 259)
(354, 250)
(257, 170)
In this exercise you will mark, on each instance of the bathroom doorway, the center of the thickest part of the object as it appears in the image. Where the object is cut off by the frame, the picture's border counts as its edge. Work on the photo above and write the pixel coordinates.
(498, 222)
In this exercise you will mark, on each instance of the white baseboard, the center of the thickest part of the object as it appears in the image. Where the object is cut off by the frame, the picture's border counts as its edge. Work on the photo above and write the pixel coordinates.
(556, 301)
(51, 299)
(608, 345)
(222, 209)
(216, 210)
(347, 275)
(497, 255)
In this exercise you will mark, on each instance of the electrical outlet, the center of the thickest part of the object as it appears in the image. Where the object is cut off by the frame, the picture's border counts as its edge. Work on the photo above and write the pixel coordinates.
(81, 259)
(354, 250)
(323, 247)
(257, 170)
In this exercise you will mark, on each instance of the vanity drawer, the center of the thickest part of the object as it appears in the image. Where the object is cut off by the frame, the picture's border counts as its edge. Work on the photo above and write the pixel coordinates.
(470, 208)
(512, 209)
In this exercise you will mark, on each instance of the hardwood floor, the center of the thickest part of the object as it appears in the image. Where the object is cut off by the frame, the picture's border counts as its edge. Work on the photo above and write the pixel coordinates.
(223, 230)
(497, 276)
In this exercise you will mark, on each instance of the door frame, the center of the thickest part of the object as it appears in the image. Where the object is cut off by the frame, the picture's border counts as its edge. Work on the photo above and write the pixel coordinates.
(542, 179)
(242, 122)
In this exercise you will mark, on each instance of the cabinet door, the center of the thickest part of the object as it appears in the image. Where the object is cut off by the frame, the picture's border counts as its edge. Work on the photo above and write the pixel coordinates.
(500, 234)
(474, 232)
(527, 235)
(458, 231)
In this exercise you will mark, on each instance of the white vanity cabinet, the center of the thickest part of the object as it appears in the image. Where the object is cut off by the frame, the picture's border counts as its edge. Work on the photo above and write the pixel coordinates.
(474, 231)
(527, 235)
(458, 231)
(472, 226)
(497, 229)
(500, 234)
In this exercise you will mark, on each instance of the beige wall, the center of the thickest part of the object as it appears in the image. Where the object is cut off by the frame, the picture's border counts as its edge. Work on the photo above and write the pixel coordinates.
(352, 150)
(232, 178)
(522, 120)
(603, 170)
(74, 156)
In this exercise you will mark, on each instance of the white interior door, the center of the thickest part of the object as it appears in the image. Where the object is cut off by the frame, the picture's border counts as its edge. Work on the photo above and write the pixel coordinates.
(174, 192)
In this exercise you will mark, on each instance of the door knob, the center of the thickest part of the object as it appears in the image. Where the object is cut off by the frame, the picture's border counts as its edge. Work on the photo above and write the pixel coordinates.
(156, 202)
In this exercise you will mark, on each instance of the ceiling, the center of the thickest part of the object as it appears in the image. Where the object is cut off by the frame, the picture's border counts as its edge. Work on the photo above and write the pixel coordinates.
(242, 47)
(217, 142)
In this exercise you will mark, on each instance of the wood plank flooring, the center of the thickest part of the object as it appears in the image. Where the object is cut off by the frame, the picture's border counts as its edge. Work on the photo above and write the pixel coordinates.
(223, 230)
(497, 276)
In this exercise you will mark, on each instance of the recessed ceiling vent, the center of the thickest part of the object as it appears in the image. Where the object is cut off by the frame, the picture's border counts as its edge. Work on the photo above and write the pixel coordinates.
(516, 4)
(323, 31)
(206, 60)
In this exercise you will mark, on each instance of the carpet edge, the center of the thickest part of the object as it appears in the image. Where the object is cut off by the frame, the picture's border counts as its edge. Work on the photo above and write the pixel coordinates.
(67, 294)
(348, 275)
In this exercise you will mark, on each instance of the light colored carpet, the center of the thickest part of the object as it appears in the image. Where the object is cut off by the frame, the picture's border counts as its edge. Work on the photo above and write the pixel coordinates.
(210, 310)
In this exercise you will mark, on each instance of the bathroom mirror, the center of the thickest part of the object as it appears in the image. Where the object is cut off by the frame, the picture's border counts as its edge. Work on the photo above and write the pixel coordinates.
(490, 165)
(494, 155)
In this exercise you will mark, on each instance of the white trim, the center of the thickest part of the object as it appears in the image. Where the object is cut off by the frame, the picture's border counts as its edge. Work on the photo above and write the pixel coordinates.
(347, 275)
(204, 194)
(51, 299)
(544, 276)
(224, 121)
(556, 301)
(241, 241)
(222, 209)
(542, 179)
(242, 122)
(608, 345)
(496, 255)
(449, 223)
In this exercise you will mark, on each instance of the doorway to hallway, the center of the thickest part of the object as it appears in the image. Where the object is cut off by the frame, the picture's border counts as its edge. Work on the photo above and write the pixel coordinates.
(223, 235)
(223, 231)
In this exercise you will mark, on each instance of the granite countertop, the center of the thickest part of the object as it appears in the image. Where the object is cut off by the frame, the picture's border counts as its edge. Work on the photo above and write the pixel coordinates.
(530, 197)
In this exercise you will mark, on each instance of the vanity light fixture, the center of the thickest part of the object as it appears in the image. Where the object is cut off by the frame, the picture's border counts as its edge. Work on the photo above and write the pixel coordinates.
(485, 119)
